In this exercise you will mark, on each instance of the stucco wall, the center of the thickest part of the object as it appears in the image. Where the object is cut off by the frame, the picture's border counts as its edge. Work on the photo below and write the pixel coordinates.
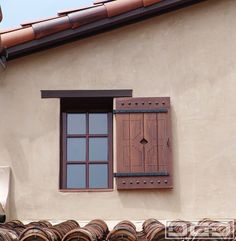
(189, 55)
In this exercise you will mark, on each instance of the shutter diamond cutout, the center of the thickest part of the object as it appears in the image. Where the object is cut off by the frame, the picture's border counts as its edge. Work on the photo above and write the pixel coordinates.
(144, 141)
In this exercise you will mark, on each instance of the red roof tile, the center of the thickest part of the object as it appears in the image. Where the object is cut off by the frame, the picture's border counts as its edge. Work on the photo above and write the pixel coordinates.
(97, 230)
(29, 23)
(70, 19)
(90, 15)
(76, 9)
(17, 37)
(115, 8)
(76, 18)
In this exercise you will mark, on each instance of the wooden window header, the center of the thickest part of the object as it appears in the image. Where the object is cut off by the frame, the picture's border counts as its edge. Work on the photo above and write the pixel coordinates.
(85, 93)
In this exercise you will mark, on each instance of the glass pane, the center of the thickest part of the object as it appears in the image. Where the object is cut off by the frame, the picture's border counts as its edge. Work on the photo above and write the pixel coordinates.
(76, 149)
(98, 176)
(98, 124)
(98, 149)
(76, 124)
(76, 177)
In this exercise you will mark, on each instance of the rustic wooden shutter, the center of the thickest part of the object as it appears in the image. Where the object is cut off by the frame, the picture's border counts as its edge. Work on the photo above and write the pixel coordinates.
(143, 141)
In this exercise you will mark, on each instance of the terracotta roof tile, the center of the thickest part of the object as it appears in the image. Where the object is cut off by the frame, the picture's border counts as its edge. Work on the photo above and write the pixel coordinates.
(70, 19)
(150, 2)
(88, 16)
(45, 28)
(10, 30)
(64, 12)
(29, 23)
(17, 37)
(74, 18)
(97, 230)
(118, 7)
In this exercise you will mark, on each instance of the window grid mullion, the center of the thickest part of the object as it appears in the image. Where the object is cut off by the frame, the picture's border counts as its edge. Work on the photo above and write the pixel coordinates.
(87, 135)
(87, 150)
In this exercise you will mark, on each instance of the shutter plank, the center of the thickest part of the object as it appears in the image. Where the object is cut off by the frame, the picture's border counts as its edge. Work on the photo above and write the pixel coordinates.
(136, 148)
(123, 143)
(162, 141)
(150, 148)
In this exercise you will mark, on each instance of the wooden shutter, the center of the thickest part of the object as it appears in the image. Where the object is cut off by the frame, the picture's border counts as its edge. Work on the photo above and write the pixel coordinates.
(143, 143)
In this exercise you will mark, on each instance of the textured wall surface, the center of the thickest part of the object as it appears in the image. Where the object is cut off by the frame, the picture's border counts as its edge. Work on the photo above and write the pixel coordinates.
(189, 55)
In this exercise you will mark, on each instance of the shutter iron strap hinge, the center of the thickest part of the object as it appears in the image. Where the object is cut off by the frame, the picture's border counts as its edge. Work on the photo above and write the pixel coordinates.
(141, 174)
(162, 110)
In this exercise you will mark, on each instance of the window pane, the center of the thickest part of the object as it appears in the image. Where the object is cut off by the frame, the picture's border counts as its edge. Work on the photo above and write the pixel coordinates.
(98, 176)
(76, 124)
(98, 149)
(76, 149)
(98, 124)
(76, 176)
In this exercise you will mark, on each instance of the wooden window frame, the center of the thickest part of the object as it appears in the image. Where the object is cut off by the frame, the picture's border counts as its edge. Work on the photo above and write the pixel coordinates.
(89, 105)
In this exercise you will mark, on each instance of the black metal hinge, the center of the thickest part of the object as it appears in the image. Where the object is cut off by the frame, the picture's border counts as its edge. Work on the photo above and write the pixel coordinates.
(141, 174)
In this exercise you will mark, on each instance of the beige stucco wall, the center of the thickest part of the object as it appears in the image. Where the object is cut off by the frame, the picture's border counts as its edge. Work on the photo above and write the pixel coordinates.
(189, 55)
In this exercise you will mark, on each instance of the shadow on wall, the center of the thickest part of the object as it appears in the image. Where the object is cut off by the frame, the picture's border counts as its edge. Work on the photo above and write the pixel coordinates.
(17, 158)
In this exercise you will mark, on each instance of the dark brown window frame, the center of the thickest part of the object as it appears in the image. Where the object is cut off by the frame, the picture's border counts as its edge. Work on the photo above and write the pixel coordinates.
(87, 162)
(86, 106)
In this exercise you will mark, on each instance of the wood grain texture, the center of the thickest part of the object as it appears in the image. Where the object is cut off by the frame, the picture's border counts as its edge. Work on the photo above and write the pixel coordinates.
(143, 142)
(150, 149)
(123, 143)
(136, 148)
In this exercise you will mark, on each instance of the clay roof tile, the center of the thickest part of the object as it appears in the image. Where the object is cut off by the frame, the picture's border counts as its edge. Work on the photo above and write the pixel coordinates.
(30, 23)
(88, 16)
(17, 37)
(45, 28)
(121, 6)
(74, 18)
(65, 12)
(150, 2)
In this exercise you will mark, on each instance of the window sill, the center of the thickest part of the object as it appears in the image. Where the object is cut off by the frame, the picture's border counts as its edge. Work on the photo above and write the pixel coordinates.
(85, 190)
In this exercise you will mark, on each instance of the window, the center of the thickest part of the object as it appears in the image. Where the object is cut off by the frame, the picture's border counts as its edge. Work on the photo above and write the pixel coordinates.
(86, 143)
(143, 140)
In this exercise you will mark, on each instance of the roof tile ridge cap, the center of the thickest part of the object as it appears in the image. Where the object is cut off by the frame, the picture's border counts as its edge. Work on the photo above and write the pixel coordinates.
(68, 11)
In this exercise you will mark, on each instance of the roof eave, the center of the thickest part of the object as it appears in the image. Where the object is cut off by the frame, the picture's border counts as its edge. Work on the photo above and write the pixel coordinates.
(97, 27)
